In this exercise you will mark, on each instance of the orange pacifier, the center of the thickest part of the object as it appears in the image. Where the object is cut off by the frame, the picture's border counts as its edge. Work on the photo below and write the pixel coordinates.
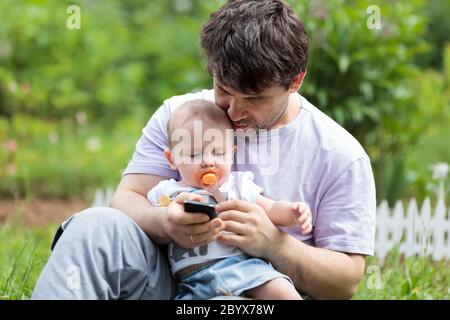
(209, 179)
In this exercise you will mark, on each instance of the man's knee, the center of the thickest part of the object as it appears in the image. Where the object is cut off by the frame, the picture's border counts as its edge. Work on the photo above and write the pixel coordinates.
(98, 223)
(101, 218)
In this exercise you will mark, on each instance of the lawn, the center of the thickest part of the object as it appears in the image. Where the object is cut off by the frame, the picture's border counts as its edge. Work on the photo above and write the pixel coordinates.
(24, 251)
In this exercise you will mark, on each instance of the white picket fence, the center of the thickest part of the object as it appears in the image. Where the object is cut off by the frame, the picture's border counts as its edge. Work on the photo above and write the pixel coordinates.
(423, 232)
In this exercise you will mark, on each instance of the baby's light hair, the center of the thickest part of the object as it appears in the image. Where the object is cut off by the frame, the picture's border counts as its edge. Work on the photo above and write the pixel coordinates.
(203, 110)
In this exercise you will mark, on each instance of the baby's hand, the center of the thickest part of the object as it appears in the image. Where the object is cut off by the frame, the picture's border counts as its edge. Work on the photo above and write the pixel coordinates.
(302, 215)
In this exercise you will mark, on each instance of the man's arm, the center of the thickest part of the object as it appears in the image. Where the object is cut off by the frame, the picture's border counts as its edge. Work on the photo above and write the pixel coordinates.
(131, 198)
(322, 273)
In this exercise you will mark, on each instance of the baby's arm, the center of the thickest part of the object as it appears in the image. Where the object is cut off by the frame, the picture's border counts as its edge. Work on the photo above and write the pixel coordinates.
(285, 213)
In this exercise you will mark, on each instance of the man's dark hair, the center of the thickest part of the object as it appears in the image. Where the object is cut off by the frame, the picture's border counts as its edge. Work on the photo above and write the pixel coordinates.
(251, 45)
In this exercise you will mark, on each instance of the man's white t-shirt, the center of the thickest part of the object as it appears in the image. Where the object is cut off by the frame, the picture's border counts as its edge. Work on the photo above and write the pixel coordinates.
(311, 159)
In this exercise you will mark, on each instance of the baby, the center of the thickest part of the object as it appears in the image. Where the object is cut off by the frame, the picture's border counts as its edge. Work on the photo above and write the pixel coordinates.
(217, 269)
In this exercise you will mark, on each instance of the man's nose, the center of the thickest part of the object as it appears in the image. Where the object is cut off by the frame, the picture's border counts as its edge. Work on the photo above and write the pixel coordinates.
(235, 110)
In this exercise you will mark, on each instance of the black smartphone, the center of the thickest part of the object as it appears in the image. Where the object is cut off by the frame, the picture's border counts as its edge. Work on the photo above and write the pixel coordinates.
(195, 206)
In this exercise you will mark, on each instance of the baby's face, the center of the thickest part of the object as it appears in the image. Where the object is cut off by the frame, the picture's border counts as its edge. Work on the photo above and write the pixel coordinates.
(199, 152)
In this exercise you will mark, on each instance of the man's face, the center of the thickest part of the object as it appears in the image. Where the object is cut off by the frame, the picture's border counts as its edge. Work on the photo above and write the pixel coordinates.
(257, 111)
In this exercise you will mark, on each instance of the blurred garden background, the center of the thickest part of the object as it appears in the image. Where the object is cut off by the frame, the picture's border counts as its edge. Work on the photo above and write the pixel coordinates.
(73, 103)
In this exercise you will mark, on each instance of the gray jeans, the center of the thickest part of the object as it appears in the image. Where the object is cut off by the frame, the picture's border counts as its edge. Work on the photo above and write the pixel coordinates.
(103, 254)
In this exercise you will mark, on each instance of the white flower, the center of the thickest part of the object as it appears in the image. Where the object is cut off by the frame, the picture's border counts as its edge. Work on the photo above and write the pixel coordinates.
(81, 117)
(53, 137)
(12, 86)
(440, 170)
(182, 6)
(93, 143)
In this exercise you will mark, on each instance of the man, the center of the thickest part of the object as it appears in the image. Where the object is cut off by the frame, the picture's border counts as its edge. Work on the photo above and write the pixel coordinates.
(257, 54)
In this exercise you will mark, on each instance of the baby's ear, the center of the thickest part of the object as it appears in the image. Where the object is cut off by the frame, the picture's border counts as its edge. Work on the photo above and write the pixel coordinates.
(169, 157)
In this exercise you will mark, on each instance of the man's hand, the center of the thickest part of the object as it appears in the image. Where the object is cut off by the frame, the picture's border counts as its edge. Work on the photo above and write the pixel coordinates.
(254, 234)
(187, 229)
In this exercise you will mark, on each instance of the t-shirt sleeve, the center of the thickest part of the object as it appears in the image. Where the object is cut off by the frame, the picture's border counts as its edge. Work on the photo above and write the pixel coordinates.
(346, 214)
(148, 156)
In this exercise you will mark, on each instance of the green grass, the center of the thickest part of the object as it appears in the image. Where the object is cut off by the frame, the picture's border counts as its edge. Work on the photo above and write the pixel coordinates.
(23, 254)
(24, 251)
(413, 278)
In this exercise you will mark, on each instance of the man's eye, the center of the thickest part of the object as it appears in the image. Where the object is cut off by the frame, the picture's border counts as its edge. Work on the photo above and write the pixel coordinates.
(223, 91)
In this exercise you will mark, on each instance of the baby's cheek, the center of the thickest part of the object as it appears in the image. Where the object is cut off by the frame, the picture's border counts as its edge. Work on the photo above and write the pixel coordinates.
(224, 176)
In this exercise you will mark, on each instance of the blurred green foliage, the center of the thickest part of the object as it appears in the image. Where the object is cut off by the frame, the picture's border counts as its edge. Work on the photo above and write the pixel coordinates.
(126, 57)
(369, 80)
(438, 30)
(62, 90)
(432, 94)
(65, 158)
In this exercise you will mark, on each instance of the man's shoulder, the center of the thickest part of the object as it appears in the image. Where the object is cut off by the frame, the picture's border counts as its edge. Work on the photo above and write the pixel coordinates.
(329, 136)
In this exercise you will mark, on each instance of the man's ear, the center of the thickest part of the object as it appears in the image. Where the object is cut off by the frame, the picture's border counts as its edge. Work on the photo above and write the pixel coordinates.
(297, 82)
(169, 157)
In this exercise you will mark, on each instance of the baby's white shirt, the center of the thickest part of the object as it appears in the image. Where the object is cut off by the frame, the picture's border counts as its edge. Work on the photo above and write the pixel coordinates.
(240, 185)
